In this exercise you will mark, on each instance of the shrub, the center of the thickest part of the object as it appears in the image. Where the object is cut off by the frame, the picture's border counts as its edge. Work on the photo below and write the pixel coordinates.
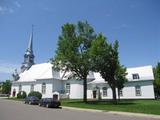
(36, 94)
(21, 95)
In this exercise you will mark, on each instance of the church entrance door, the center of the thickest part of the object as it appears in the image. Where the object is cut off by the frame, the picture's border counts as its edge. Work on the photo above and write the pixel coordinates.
(94, 94)
(14, 93)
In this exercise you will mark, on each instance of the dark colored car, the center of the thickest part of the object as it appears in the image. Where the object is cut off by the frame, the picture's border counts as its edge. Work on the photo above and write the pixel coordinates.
(32, 100)
(49, 102)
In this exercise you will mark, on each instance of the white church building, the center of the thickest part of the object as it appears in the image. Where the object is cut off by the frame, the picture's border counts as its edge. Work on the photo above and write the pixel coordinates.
(44, 79)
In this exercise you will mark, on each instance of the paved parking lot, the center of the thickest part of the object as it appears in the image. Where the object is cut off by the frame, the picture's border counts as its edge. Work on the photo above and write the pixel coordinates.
(15, 110)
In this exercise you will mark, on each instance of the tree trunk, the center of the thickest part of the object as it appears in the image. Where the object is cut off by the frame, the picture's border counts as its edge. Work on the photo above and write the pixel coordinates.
(114, 94)
(118, 94)
(85, 90)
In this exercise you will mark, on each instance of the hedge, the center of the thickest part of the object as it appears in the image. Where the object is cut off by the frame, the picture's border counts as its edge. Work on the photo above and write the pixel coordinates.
(36, 94)
(21, 95)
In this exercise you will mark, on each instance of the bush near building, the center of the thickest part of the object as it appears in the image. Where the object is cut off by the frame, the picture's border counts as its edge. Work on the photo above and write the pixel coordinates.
(21, 95)
(36, 94)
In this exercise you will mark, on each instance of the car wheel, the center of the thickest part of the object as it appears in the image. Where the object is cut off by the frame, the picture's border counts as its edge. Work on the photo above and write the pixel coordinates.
(47, 105)
(55, 106)
(30, 103)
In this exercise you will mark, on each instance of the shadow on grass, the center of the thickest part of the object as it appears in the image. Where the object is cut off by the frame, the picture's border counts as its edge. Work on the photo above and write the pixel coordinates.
(103, 102)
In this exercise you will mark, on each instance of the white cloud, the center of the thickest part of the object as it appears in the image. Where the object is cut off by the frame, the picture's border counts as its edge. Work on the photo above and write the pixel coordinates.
(17, 4)
(8, 67)
(10, 10)
(9, 7)
(4, 10)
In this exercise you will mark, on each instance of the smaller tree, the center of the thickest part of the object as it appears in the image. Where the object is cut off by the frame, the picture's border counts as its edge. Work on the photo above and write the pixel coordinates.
(105, 60)
(6, 87)
(156, 71)
(121, 78)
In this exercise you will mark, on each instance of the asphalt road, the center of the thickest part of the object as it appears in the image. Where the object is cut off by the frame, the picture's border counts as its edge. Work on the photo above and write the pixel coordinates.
(15, 110)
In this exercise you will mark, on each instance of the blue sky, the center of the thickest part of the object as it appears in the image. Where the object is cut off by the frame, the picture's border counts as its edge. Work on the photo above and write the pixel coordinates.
(135, 23)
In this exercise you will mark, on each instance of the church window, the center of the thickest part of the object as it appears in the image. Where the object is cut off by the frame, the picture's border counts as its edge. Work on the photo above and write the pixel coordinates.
(43, 88)
(104, 91)
(32, 87)
(67, 88)
(20, 88)
(138, 90)
(121, 92)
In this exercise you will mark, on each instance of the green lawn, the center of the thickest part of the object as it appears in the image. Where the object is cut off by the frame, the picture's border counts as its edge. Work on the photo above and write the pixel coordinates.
(136, 106)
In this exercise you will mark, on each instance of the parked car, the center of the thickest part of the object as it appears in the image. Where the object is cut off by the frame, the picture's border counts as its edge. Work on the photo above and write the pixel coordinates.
(31, 100)
(49, 102)
(4, 95)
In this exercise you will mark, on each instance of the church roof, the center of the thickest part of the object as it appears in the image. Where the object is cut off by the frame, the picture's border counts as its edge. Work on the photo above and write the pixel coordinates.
(37, 71)
(144, 73)
(44, 71)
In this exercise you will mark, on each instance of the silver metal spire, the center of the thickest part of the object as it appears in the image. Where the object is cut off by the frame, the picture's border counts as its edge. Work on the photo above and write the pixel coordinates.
(28, 56)
(30, 49)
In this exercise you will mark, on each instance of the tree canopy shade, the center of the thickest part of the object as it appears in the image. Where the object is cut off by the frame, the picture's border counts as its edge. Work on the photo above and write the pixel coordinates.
(73, 51)
(156, 71)
(105, 59)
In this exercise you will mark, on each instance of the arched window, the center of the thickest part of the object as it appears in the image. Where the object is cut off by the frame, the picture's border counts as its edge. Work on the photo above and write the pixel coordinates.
(67, 88)
(20, 88)
(138, 90)
(104, 91)
(43, 88)
(32, 87)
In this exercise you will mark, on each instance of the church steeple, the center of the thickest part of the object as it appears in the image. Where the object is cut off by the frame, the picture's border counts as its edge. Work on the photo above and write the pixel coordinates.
(30, 42)
(28, 56)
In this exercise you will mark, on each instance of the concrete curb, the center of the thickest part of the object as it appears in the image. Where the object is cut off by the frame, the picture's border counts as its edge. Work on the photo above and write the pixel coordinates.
(3, 97)
(116, 112)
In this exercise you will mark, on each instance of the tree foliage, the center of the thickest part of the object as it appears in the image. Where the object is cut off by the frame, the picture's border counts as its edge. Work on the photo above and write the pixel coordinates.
(6, 87)
(72, 53)
(81, 50)
(105, 59)
(156, 71)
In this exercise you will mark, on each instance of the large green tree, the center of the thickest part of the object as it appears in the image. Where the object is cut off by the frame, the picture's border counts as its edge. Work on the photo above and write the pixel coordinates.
(156, 71)
(6, 87)
(104, 57)
(72, 52)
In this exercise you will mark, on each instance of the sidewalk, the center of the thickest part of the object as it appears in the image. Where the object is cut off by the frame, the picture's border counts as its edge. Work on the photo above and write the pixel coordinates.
(4, 97)
(116, 112)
